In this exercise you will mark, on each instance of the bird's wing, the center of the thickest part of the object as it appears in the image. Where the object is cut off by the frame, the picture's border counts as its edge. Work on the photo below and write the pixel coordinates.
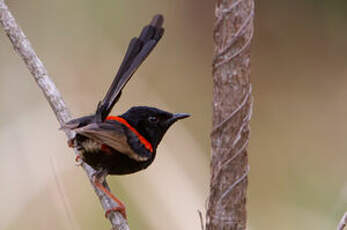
(114, 136)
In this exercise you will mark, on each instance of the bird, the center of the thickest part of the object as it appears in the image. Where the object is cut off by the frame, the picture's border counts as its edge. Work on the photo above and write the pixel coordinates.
(124, 144)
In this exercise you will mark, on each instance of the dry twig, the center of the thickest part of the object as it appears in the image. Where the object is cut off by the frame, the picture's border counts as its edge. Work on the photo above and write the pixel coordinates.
(343, 222)
(23, 47)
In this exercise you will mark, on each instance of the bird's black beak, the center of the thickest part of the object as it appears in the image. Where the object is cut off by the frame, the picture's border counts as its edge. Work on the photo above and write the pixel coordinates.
(175, 117)
(179, 116)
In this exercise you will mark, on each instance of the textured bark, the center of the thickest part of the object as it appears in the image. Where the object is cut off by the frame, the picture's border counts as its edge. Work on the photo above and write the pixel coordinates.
(232, 110)
(23, 47)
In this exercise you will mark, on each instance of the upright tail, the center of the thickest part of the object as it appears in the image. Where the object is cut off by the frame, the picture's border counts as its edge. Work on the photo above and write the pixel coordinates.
(138, 50)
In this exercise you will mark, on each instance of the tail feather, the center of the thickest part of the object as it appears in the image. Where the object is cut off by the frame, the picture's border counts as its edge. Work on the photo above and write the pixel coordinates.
(138, 50)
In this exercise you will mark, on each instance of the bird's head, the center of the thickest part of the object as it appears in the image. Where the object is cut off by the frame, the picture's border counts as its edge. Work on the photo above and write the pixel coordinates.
(152, 123)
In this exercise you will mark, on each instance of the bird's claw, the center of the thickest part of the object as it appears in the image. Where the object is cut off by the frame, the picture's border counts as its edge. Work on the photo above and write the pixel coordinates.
(99, 176)
(71, 143)
(120, 209)
(78, 160)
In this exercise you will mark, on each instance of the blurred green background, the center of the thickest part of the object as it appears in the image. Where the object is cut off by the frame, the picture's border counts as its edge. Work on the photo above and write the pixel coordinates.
(298, 143)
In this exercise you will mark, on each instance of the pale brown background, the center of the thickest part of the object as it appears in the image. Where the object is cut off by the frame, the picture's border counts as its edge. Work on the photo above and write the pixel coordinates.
(298, 144)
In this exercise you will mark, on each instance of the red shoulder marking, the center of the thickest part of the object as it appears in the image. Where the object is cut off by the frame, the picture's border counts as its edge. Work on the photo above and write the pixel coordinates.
(142, 139)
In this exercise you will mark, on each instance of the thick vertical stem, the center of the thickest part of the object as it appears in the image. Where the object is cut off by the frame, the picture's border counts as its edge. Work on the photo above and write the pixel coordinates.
(232, 110)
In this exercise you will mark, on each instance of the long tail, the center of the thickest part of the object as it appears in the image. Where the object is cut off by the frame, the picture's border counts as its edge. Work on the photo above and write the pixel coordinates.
(138, 50)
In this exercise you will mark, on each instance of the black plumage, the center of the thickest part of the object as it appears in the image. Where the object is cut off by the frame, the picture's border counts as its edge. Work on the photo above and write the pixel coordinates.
(127, 143)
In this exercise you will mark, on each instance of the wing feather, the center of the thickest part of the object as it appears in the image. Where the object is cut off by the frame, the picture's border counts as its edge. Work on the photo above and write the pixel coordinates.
(138, 49)
(113, 135)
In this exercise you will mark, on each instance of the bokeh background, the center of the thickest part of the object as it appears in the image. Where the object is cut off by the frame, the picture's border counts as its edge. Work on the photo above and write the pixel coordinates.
(298, 145)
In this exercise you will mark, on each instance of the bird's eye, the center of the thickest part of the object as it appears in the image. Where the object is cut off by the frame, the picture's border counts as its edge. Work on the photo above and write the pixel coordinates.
(153, 120)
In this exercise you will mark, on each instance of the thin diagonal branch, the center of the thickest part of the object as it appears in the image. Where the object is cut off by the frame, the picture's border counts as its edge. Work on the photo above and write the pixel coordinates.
(23, 47)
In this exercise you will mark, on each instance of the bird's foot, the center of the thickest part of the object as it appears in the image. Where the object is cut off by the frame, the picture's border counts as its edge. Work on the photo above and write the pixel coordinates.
(119, 209)
(78, 160)
(99, 176)
(71, 143)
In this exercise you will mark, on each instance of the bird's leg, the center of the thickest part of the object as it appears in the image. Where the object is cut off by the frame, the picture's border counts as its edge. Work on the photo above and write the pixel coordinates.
(72, 144)
(99, 179)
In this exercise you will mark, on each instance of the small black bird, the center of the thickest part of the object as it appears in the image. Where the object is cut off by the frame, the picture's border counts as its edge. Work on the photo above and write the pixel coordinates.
(127, 143)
